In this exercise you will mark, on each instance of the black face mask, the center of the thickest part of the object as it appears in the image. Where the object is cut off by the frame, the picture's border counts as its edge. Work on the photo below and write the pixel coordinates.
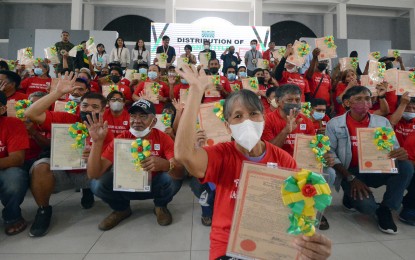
(389, 65)
(287, 107)
(214, 70)
(322, 66)
(115, 79)
(231, 52)
(261, 80)
(84, 114)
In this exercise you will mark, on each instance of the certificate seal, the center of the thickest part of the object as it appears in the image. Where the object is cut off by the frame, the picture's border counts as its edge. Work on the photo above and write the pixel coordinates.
(233, 63)
(210, 142)
(248, 245)
(368, 164)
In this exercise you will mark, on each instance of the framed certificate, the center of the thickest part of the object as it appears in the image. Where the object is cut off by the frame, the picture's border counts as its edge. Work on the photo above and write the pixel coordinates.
(304, 155)
(148, 90)
(405, 84)
(261, 236)
(11, 110)
(346, 64)
(328, 49)
(62, 155)
(159, 125)
(376, 72)
(216, 131)
(204, 59)
(372, 160)
(59, 106)
(126, 176)
(251, 84)
(182, 61)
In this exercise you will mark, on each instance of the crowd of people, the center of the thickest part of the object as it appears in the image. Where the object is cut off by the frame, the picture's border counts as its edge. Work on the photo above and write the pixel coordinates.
(263, 126)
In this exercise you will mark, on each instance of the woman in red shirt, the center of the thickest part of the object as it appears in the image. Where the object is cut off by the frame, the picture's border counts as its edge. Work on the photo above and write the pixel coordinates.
(40, 82)
(244, 117)
(348, 80)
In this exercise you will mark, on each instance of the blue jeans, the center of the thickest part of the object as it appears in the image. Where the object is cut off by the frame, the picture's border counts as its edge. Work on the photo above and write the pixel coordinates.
(198, 189)
(14, 183)
(163, 188)
(395, 187)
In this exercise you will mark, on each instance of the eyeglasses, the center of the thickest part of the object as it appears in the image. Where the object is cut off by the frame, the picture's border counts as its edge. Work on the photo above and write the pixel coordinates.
(117, 99)
(136, 117)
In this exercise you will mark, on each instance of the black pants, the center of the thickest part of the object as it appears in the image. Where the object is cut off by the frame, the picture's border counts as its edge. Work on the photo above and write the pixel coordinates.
(409, 199)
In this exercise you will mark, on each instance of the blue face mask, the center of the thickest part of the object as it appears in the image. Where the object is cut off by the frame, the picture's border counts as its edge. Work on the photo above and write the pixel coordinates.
(142, 71)
(152, 75)
(38, 71)
(242, 74)
(318, 115)
(408, 116)
(231, 76)
(183, 81)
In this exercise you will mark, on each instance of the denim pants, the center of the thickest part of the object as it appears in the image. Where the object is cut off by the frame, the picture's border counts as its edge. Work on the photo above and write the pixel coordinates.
(198, 189)
(395, 187)
(163, 188)
(14, 182)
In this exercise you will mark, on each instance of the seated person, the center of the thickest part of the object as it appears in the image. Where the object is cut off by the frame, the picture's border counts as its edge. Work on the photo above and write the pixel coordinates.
(9, 84)
(166, 172)
(318, 115)
(14, 181)
(271, 92)
(403, 119)
(242, 74)
(343, 143)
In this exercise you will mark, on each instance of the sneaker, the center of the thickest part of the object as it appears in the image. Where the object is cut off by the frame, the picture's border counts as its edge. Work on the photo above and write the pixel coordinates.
(40, 226)
(206, 221)
(407, 216)
(87, 200)
(164, 217)
(347, 205)
(385, 220)
(114, 219)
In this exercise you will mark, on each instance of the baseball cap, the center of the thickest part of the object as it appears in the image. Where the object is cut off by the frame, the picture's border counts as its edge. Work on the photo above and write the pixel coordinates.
(3, 98)
(142, 105)
(383, 59)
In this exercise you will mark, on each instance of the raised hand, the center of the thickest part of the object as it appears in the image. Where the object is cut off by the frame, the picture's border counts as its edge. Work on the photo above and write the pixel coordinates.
(316, 52)
(97, 128)
(381, 88)
(292, 121)
(289, 50)
(144, 95)
(405, 98)
(197, 80)
(177, 104)
(66, 84)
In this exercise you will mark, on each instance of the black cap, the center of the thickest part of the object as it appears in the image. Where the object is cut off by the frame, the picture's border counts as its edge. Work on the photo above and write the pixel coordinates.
(3, 98)
(144, 106)
(383, 59)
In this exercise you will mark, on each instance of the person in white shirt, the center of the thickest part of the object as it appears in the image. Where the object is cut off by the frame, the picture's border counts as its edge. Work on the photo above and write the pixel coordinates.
(140, 54)
(120, 54)
(101, 58)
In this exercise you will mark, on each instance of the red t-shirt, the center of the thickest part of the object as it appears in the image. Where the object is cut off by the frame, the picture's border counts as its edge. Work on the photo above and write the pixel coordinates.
(392, 100)
(177, 89)
(119, 124)
(351, 126)
(95, 87)
(126, 91)
(164, 92)
(266, 55)
(324, 89)
(17, 96)
(225, 83)
(403, 128)
(13, 136)
(264, 100)
(409, 146)
(320, 124)
(161, 145)
(274, 124)
(35, 84)
(296, 79)
(227, 186)
(34, 148)
(235, 85)
(125, 82)
(338, 106)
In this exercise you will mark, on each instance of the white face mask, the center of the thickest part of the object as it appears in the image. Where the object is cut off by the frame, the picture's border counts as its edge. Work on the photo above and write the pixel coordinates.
(116, 106)
(75, 99)
(248, 133)
(141, 134)
(292, 70)
(274, 103)
(207, 47)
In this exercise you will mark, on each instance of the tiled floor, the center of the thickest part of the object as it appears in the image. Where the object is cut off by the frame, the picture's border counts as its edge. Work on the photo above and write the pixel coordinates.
(74, 234)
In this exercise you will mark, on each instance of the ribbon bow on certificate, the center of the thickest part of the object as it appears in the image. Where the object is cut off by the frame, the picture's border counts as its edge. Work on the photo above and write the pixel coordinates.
(185, 60)
(79, 132)
(412, 77)
(216, 80)
(253, 83)
(329, 41)
(155, 88)
(70, 107)
(281, 51)
(21, 107)
(143, 77)
(354, 62)
(208, 55)
(376, 55)
(163, 56)
(140, 149)
(396, 53)
(37, 61)
(320, 146)
(384, 138)
(218, 109)
(303, 49)
(306, 109)
(381, 69)
(166, 119)
(28, 53)
(113, 88)
(302, 193)
(11, 64)
(53, 51)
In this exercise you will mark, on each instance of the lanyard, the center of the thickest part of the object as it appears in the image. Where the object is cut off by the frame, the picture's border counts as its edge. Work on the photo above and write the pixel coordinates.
(253, 56)
(119, 55)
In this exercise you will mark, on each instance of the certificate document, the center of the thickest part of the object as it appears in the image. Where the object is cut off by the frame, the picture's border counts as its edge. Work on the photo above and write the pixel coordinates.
(11, 110)
(204, 58)
(297, 58)
(366, 81)
(263, 64)
(159, 124)
(211, 90)
(304, 155)
(62, 155)
(106, 90)
(183, 95)
(59, 106)
(327, 49)
(251, 84)
(216, 131)
(372, 160)
(261, 236)
(162, 60)
(405, 84)
(182, 61)
(148, 90)
(126, 176)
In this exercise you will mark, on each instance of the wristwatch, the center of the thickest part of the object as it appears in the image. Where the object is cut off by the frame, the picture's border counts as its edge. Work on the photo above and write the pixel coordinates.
(350, 178)
(382, 97)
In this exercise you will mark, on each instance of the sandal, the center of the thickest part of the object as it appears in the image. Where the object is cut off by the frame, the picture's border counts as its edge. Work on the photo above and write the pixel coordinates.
(15, 227)
(324, 224)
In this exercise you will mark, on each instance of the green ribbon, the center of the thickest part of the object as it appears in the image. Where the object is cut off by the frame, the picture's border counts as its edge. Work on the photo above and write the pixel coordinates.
(300, 224)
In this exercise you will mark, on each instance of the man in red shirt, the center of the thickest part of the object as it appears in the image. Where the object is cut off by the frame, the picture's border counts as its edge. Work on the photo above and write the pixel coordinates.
(9, 83)
(14, 181)
(318, 79)
(166, 172)
(244, 115)
(223, 87)
(44, 182)
(403, 119)
(117, 117)
(177, 89)
(234, 84)
(163, 92)
(318, 115)
(282, 125)
(268, 55)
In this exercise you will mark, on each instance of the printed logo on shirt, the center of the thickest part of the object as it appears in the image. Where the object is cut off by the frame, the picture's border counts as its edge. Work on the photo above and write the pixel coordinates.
(234, 193)
(303, 127)
(125, 123)
(157, 147)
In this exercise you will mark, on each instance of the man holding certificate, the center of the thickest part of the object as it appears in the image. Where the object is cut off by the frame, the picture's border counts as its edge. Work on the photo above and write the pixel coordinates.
(244, 116)
(44, 180)
(166, 172)
(346, 146)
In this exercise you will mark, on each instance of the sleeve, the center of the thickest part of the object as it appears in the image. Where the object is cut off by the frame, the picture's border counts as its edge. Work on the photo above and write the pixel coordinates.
(280, 68)
(227, 86)
(176, 91)
(25, 84)
(213, 55)
(148, 58)
(127, 93)
(310, 127)
(222, 57)
(105, 58)
(158, 50)
(173, 51)
(94, 59)
(215, 163)
(134, 54)
(17, 138)
(58, 118)
(307, 86)
(108, 140)
(246, 55)
(139, 88)
(330, 132)
(409, 146)
(268, 134)
(127, 56)
(108, 152)
(112, 55)
(165, 90)
(168, 144)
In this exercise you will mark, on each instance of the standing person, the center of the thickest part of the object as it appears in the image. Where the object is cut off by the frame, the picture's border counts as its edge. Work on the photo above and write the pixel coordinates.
(244, 115)
(269, 55)
(63, 47)
(120, 55)
(229, 59)
(188, 54)
(40, 82)
(206, 46)
(168, 50)
(101, 58)
(251, 58)
(140, 54)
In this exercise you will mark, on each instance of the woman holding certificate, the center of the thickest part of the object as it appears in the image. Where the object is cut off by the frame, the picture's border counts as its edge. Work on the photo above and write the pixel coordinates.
(244, 119)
